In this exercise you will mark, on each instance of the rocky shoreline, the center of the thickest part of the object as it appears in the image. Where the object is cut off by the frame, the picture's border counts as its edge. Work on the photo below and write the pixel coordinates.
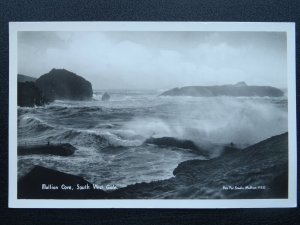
(259, 171)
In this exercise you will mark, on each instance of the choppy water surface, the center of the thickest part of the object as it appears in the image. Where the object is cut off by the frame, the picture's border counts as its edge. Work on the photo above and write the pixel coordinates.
(109, 135)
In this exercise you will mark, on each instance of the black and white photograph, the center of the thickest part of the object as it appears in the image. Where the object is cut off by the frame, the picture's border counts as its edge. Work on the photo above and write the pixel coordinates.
(104, 114)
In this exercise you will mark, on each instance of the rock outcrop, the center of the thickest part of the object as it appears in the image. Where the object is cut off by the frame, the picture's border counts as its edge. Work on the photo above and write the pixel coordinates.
(105, 97)
(65, 85)
(173, 142)
(240, 89)
(29, 95)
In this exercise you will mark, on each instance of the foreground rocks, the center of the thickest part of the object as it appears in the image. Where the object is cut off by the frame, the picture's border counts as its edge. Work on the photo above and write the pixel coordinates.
(259, 171)
(65, 85)
(239, 89)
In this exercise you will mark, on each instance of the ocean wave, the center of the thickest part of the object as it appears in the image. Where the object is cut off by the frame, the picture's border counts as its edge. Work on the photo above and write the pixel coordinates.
(33, 124)
(75, 109)
(96, 139)
(87, 112)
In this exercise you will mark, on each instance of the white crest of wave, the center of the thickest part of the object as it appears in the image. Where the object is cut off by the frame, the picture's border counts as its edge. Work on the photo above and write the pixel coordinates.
(216, 120)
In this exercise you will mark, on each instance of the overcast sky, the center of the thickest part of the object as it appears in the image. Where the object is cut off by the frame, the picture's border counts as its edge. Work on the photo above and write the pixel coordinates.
(157, 60)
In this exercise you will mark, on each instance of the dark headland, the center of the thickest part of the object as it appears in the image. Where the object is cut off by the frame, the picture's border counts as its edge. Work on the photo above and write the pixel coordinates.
(259, 171)
(240, 89)
(65, 85)
(58, 84)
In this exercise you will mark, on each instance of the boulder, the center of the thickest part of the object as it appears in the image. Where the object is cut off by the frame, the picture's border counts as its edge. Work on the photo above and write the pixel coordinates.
(65, 85)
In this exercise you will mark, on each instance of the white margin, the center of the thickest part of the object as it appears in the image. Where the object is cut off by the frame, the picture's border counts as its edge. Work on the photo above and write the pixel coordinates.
(289, 28)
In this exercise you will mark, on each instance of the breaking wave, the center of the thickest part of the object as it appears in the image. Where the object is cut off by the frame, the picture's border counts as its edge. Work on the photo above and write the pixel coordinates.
(33, 124)
(94, 139)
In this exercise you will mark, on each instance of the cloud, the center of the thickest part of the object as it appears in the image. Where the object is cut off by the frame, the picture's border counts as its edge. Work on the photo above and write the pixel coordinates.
(42, 40)
(157, 60)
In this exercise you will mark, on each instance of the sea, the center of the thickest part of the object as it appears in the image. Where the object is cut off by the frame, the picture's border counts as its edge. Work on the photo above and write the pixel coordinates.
(110, 135)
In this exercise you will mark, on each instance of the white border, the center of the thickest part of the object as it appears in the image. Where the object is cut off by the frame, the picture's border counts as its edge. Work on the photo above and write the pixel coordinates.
(289, 28)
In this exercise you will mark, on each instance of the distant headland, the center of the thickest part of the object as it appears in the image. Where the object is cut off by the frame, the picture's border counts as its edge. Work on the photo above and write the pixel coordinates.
(239, 89)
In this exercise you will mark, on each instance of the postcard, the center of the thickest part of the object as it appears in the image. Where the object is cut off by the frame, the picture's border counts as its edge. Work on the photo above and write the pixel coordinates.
(152, 115)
